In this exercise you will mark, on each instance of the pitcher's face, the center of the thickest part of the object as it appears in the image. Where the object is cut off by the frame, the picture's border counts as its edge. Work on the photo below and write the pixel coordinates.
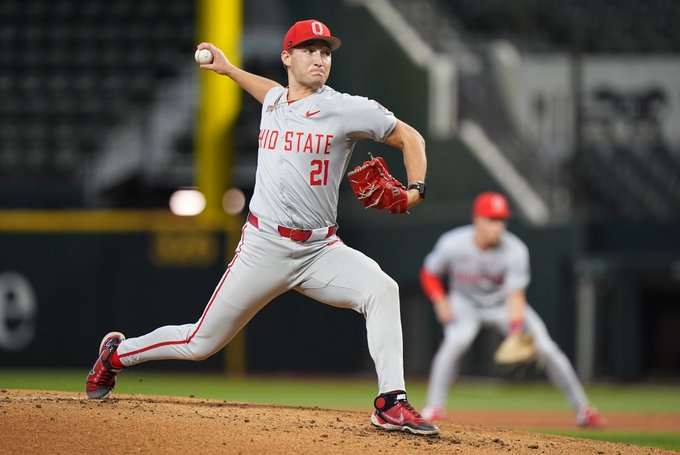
(309, 64)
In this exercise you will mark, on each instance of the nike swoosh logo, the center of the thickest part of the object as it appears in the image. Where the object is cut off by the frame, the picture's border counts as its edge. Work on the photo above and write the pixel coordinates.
(400, 420)
(309, 114)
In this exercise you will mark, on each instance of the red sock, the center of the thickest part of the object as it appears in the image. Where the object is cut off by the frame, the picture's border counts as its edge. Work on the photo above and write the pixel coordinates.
(115, 362)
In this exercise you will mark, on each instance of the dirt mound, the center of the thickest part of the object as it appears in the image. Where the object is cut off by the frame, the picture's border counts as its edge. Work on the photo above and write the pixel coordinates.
(44, 422)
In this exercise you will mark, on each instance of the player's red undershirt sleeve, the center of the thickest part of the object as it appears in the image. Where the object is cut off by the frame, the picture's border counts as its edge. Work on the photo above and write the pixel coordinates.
(432, 285)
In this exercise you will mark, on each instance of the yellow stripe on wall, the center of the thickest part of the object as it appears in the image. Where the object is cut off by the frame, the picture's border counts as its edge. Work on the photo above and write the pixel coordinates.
(111, 221)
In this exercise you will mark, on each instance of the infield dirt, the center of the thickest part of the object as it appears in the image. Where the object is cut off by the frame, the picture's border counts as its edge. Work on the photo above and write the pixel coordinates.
(46, 422)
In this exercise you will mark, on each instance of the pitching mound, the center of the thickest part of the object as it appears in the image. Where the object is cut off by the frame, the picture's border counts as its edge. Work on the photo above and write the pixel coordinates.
(42, 422)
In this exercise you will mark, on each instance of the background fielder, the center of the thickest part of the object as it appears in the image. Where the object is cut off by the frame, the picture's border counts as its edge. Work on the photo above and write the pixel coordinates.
(488, 272)
(307, 134)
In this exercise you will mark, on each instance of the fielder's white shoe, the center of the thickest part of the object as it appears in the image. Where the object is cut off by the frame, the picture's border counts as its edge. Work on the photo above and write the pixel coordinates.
(588, 417)
(433, 413)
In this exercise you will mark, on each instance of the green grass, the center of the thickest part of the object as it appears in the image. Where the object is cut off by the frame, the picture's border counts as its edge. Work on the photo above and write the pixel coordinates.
(332, 393)
(670, 441)
(349, 392)
(543, 396)
(358, 393)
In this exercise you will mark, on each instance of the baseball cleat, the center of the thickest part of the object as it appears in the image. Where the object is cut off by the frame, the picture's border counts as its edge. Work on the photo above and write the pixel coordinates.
(102, 377)
(588, 417)
(393, 412)
(433, 413)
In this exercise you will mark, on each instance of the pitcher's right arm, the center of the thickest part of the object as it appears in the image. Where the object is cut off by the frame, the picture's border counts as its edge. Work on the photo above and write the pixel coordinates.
(257, 86)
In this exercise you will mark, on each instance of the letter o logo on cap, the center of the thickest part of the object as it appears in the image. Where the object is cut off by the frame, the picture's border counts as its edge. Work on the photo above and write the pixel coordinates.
(317, 28)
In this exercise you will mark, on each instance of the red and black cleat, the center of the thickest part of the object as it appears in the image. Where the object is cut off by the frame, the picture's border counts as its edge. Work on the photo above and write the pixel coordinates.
(102, 377)
(394, 412)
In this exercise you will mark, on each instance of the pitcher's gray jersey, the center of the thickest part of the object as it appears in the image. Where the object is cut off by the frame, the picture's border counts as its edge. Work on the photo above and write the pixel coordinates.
(485, 277)
(300, 168)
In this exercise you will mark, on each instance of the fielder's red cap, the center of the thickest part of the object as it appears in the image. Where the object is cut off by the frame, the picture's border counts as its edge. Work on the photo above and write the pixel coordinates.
(309, 30)
(491, 205)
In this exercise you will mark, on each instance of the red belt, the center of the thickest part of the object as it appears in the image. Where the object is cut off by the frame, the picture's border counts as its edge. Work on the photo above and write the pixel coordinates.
(299, 235)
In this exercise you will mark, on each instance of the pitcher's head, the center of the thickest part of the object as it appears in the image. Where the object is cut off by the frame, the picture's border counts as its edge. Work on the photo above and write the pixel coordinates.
(309, 30)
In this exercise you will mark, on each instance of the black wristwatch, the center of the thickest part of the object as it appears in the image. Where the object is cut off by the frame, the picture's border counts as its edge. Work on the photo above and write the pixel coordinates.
(420, 186)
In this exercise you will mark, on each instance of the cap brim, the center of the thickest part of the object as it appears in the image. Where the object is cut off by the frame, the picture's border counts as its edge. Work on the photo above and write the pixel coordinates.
(332, 41)
(493, 216)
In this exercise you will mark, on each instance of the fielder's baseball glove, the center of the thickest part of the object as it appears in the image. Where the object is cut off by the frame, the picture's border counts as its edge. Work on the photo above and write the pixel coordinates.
(376, 188)
(516, 349)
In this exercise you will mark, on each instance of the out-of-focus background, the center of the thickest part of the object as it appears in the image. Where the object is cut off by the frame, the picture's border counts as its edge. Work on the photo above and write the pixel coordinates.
(125, 172)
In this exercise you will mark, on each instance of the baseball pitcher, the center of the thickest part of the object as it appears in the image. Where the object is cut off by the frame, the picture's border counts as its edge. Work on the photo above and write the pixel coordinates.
(290, 240)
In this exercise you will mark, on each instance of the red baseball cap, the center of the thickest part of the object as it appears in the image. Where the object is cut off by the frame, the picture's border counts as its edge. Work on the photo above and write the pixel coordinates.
(309, 30)
(491, 205)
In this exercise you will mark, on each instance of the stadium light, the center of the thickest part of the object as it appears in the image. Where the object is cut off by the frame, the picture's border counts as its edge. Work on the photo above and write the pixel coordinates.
(187, 202)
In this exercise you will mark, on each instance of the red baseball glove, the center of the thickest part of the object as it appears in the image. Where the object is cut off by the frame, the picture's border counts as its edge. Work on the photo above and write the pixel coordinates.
(375, 187)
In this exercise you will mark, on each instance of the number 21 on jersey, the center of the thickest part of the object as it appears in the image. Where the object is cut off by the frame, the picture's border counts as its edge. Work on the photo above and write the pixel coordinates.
(319, 173)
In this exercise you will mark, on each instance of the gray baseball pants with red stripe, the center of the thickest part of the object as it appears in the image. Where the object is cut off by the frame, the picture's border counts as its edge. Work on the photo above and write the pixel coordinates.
(266, 265)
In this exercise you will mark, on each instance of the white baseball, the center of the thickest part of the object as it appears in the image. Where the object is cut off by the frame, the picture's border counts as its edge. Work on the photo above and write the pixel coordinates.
(203, 56)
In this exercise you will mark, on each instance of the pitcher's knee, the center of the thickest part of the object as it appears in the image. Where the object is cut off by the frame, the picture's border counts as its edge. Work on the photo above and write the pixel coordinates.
(381, 296)
(386, 288)
(201, 349)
